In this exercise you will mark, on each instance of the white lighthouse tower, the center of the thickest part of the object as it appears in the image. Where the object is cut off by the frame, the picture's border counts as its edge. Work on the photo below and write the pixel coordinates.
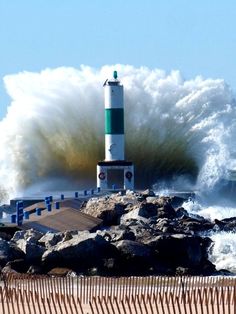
(114, 138)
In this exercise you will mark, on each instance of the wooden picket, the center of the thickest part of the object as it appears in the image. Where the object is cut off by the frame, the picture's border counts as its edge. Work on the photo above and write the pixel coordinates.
(92, 295)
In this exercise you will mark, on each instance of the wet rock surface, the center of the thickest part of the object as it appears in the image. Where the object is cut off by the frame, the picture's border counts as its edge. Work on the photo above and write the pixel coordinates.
(142, 234)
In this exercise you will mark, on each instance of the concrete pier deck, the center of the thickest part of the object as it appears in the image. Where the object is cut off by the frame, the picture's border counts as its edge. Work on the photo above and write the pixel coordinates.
(67, 217)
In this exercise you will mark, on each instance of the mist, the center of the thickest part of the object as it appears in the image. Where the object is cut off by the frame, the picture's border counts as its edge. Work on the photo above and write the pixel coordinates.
(54, 128)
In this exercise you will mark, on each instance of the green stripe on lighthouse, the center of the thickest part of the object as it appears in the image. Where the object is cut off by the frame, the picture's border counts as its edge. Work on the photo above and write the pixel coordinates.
(114, 121)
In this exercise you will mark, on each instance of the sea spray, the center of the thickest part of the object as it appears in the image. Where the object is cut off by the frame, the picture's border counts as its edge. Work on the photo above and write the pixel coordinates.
(210, 211)
(54, 128)
(223, 251)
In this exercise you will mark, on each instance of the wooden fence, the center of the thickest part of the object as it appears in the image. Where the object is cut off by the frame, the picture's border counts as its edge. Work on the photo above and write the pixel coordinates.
(125, 295)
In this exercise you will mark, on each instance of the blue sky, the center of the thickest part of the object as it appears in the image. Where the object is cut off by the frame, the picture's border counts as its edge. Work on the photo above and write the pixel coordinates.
(196, 37)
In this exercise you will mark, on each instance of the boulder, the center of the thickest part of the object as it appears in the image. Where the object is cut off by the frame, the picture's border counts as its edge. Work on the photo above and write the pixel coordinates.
(193, 226)
(142, 230)
(117, 234)
(133, 249)
(50, 239)
(60, 272)
(9, 252)
(227, 224)
(135, 257)
(33, 252)
(111, 207)
(5, 236)
(84, 251)
(166, 211)
(180, 250)
(7, 270)
(147, 210)
(18, 265)
(35, 270)
(148, 193)
(177, 201)
(31, 235)
(106, 208)
(181, 213)
(132, 215)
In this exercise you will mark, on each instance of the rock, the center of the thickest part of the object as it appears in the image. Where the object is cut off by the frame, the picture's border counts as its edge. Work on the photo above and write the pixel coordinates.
(181, 213)
(9, 252)
(116, 234)
(7, 270)
(111, 207)
(133, 249)
(183, 271)
(151, 199)
(141, 230)
(165, 225)
(5, 236)
(35, 270)
(60, 272)
(227, 224)
(177, 201)
(132, 215)
(27, 242)
(107, 209)
(18, 265)
(147, 210)
(224, 272)
(110, 266)
(67, 236)
(50, 239)
(167, 211)
(148, 193)
(31, 235)
(180, 250)
(197, 217)
(136, 258)
(33, 252)
(94, 271)
(161, 201)
(111, 216)
(84, 251)
(194, 226)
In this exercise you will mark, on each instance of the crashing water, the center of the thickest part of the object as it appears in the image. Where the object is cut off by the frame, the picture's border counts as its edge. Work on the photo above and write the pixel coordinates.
(179, 134)
(209, 211)
(54, 127)
(223, 251)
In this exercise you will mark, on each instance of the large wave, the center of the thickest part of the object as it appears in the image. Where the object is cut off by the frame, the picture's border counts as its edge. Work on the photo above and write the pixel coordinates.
(54, 128)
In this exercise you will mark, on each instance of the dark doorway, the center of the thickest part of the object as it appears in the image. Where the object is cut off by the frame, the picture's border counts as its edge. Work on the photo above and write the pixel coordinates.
(115, 177)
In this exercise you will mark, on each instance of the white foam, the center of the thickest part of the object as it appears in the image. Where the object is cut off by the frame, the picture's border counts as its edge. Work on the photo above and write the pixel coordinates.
(223, 252)
(55, 122)
(210, 212)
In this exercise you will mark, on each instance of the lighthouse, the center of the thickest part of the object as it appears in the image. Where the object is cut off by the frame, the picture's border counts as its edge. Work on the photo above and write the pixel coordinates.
(114, 139)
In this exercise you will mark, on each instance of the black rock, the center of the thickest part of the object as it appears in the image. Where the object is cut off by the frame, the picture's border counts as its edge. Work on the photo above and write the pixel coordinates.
(135, 258)
(9, 252)
(18, 265)
(180, 250)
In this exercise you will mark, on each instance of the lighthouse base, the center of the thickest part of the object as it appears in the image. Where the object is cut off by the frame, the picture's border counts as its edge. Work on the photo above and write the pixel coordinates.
(105, 168)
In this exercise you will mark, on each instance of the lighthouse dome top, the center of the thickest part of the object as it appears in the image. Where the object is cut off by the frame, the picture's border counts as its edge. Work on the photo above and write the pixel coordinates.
(114, 80)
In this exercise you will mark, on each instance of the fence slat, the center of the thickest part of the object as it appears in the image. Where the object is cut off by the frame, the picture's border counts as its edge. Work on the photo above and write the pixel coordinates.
(22, 293)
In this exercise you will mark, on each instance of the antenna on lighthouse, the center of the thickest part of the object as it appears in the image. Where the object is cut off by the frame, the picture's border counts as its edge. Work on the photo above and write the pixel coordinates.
(115, 75)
